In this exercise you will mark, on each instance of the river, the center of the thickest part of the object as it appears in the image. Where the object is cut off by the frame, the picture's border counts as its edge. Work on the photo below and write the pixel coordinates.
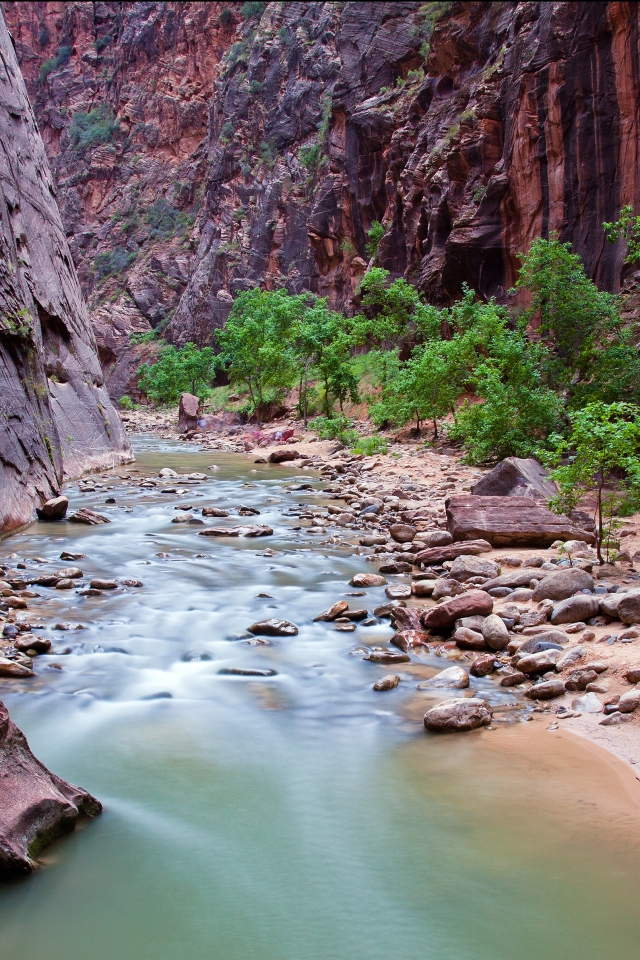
(299, 816)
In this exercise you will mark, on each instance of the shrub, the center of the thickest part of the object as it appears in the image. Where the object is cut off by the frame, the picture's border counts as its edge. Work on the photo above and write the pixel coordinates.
(54, 63)
(227, 131)
(112, 262)
(43, 36)
(370, 446)
(226, 16)
(375, 235)
(253, 9)
(147, 337)
(165, 220)
(335, 428)
(103, 42)
(126, 403)
(90, 128)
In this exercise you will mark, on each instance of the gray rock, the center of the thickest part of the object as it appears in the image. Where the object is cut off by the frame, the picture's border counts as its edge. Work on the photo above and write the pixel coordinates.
(402, 532)
(629, 607)
(516, 477)
(575, 609)
(458, 715)
(589, 703)
(69, 573)
(570, 658)
(580, 679)
(452, 678)
(388, 682)
(467, 566)
(563, 584)
(495, 632)
(538, 662)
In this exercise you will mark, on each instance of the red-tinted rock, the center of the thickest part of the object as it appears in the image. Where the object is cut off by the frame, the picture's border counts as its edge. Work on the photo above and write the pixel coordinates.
(55, 509)
(466, 605)
(189, 410)
(282, 456)
(410, 639)
(36, 806)
(517, 477)
(509, 521)
(437, 555)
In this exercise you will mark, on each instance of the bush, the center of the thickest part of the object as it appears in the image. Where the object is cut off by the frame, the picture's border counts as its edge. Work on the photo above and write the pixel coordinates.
(370, 446)
(165, 220)
(253, 9)
(178, 371)
(43, 36)
(335, 428)
(375, 235)
(227, 131)
(226, 16)
(126, 403)
(147, 337)
(116, 260)
(91, 128)
(103, 42)
(61, 59)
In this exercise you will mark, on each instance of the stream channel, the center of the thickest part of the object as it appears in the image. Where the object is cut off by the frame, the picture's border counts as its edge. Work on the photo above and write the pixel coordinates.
(299, 816)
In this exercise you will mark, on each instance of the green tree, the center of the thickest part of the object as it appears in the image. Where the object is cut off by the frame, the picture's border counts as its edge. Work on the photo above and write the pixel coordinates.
(626, 226)
(603, 460)
(374, 234)
(177, 371)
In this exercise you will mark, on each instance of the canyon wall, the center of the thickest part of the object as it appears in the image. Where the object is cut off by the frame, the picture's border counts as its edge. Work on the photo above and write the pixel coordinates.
(273, 143)
(57, 419)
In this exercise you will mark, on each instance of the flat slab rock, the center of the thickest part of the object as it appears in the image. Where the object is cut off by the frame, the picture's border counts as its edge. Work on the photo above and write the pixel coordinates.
(37, 807)
(436, 555)
(508, 521)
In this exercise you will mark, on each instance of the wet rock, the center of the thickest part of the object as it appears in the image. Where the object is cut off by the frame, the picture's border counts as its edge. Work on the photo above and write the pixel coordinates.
(246, 672)
(589, 703)
(131, 583)
(410, 639)
(423, 588)
(495, 633)
(465, 566)
(88, 517)
(387, 656)
(468, 639)
(37, 807)
(54, 509)
(512, 678)
(10, 668)
(397, 566)
(563, 584)
(367, 580)
(282, 456)
(89, 592)
(629, 607)
(273, 628)
(103, 584)
(214, 512)
(508, 521)
(407, 618)
(167, 473)
(398, 591)
(538, 662)
(466, 605)
(388, 682)
(573, 609)
(453, 678)
(458, 715)
(388, 609)
(253, 530)
(27, 643)
(372, 541)
(65, 584)
(65, 555)
(402, 532)
(69, 573)
(546, 690)
(334, 611)
(356, 615)
(437, 555)
(483, 665)
(516, 477)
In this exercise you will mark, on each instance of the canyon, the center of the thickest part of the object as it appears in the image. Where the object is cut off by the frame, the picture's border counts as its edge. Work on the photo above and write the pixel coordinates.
(223, 146)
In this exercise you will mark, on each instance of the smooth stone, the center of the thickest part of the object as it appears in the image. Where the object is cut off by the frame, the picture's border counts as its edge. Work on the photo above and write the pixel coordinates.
(398, 591)
(273, 628)
(387, 656)
(483, 665)
(629, 607)
(546, 690)
(538, 662)
(466, 605)
(367, 580)
(615, 718)
(335, 610)
(10, 668)
(53, 510)
(570, 658)
(458, 715)
(468, 639)
(453, 677)
(575, 609)
(389, 682)
(589, 703)
(495, 632)
(103, 584)
(466, 566)
(246, 672)
(563, 584)
(513, 679)
(402, 532)
(580, 679)
(65, 585)
(69, 573)
(633, 675)
(39, 645)
(214, 512)
(629, 701)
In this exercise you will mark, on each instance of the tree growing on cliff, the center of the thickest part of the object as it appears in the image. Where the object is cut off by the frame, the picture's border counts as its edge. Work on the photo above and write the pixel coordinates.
(602, 454)
(177, 371)
(626, 226)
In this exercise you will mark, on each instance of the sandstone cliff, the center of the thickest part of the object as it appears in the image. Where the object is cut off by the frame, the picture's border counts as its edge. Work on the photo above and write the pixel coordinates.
(57, 419)
(466, 129)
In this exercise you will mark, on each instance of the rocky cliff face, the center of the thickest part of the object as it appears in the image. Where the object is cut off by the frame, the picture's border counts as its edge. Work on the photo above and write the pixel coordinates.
(466, 129)
(57, 419)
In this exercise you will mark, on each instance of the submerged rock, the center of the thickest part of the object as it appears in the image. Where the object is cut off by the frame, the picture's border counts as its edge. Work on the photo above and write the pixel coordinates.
(389, 682)
(37, 807)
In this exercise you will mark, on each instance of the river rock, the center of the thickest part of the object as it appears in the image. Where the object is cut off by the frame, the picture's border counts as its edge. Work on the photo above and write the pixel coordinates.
(629, 607)
(69, 573)
(516, 477)
(273, 628)
(563, 584)
(545, 640)
(468, 639)
(495, 633)
(402, 532)
(512, 678)
(389, 682)
(579, 679)
(407, 617)
(367, 580)
(570, 658)
(54, 509)
(387, 656)
(513, 579)
(255, 530)
(589, 703)
(483, 665)
(458, 715)
(629, 701)
(246, 672)
(453, 677)
(466, 605)
(609, 604)
(65, 584)
(538, 662)
(546, 690)
(436, 555)
(508, 522)
(214, 512)
(632, 675)
(335, 610)
(423, 588)
(466, 566)
(398, 591)
(167, 473)
(30, 642)
(615, 718)
(574, 609)
(37, 807)
(103, 584)
(410, 639)
(282, 455)
(377, 541)
(88, 517)
(10, 668)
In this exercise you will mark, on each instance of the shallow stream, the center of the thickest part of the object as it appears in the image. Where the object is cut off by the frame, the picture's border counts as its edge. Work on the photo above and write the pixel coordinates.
(299, 816)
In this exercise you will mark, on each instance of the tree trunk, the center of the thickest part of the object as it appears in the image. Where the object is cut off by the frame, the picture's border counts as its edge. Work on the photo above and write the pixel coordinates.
(599, 528)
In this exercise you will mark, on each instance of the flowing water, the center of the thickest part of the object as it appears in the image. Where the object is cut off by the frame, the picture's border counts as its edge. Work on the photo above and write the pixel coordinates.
(299, 816)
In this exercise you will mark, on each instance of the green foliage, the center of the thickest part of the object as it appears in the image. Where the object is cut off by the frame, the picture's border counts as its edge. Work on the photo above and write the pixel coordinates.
(370, 446)
(268, 152)
(237, 51)
(126, 403)
(227, 131)
(322, 342)
(61, 59)
(335, 428)
(177, 371)
(626, 226)
(43, 35)
(89, 129)
(311, 156)
(226, 16)
(252, 9)
(147, 337)
(165, 220)
(103, 42)
(112, 262)
(602, 454)
(255, 86)
(375, 235)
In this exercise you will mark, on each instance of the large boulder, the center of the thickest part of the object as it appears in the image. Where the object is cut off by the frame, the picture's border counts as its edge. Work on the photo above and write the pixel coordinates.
(188, 411)
(575, 609)
(516, 477)
(629, 607)
(508, 522)
(466, 605)
(451, 678)
(36, 806)
(54, 509)
(465, 566)
(563, 584)
(513, 579)
(458, 715)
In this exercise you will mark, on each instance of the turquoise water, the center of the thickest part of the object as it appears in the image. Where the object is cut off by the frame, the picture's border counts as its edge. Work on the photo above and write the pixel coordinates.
(301, 817)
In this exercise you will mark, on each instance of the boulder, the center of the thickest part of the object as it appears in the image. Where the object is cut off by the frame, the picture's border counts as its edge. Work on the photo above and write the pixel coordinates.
(466, 566)
(389, 682)
(563, 584)
(495, 633)
(508, 522)
(335, 610)
(452, 678)
(458, 715)
(273, 628)
(629, 607)
(516, 477)
(437, 555)
(466, 605)
(37, 807)
(629, 701)
(575, 609)
(189, 410)
(546, 690)
(538, 662)
(367, 580)
(513, 579)
(410, 639)
(55, 509)
(282, 456)
(402, 532)
(483, 665)
(88, 517)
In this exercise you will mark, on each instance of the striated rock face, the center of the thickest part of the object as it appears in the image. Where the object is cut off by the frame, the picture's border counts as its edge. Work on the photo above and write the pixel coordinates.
(467, 129)
(57, 419)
